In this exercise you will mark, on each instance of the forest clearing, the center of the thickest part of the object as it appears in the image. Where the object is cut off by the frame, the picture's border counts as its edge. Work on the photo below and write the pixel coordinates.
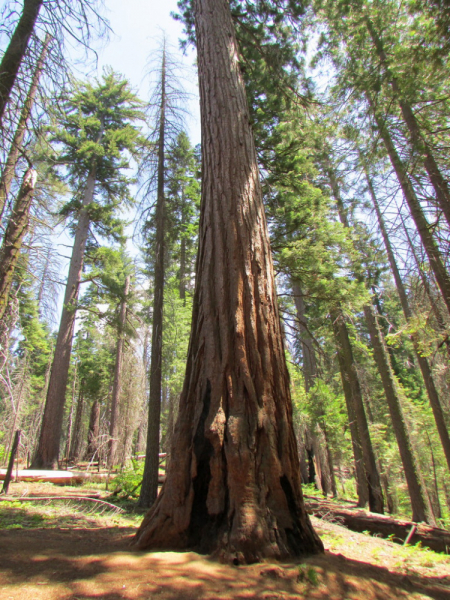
(69, 551)
(225, 340)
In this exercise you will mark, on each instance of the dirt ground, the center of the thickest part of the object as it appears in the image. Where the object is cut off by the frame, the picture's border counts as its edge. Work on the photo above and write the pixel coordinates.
(72, 553)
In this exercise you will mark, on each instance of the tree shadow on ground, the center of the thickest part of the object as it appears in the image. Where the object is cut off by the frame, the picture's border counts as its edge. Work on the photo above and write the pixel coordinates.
(88, 564)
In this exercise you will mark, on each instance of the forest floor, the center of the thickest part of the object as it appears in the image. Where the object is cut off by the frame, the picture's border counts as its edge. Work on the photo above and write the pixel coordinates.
(67, 550)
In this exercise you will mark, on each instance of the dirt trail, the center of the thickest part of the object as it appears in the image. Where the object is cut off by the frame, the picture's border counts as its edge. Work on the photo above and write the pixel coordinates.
(95, 561)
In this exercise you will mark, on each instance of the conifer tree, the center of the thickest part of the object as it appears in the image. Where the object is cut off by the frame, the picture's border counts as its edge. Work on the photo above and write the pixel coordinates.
(94, 133)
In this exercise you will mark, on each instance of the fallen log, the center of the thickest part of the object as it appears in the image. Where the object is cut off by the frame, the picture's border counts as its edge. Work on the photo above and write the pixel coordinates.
(384, 526)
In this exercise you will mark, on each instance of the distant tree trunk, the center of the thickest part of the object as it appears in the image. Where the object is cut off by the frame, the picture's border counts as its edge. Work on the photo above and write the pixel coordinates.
(418, 142)
(424, 365)
(76, 442)
(431, 248)
(15, 232)
(93, 432)
(309, 355)
(8, 171)
(182, 272)
(439, 316)
(233, 486)
(15, 52)
(50, 435)
(420, 502)
(115, 396)
(357, 417)
(330, 462)
(149, 488)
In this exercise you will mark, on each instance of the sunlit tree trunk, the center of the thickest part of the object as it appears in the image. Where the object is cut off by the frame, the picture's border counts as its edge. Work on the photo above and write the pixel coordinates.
(233, 485)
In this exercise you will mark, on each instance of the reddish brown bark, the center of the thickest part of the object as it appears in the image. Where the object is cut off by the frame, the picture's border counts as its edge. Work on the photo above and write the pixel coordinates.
(233, 485)
(50, 435)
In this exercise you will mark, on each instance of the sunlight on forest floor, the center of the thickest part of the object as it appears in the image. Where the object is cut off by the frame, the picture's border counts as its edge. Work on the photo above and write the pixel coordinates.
(73, 553)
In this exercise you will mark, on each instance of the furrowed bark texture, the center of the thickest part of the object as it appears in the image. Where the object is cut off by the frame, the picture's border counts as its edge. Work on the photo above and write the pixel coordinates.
(12, 59)
(149, 488)
(93, 432)
(117, 384)
(359, 428)
(14, 234)
(48, 448)
(16, 145)
(233, 485)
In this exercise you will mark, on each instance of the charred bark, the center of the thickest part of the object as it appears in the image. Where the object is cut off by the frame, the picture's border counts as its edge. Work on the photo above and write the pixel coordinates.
(233, 486)
(93, 432)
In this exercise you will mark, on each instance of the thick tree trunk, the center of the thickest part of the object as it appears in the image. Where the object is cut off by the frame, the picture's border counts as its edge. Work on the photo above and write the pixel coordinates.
(50, 435)
(149, 488)
(424, 365)
(115, 396)
(15, 232)
(420, 502)
(357, 417)
(309, 355)
(15, 52)
(418, 142)
(431, 248)
(8, 171)
(233, 486)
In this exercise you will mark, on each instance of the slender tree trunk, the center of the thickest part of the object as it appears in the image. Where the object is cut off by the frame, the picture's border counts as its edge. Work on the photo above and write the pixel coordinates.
(8, 171)
(420, 502)
(50, 435)
(356, 412)
(93, 432)
(149, 488)
(431, 248)
(424, 365)
(309, 355)
(418, 142)
(115, 396)
(15, 232)
(233, 486)
(427, 287)
(15, 52)
(183, 256)
(75, 446)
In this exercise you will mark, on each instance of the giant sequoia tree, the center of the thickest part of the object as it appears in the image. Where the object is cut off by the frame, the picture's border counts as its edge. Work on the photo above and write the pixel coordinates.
(233, 485)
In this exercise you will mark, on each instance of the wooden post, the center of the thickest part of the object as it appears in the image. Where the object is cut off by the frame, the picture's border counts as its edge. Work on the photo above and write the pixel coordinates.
(12, 456)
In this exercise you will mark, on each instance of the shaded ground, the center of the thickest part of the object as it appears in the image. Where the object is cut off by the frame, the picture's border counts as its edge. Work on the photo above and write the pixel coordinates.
(73, 553)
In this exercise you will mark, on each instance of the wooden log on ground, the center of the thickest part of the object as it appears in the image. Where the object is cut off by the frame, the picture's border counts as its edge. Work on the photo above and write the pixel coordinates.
(381, 525)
